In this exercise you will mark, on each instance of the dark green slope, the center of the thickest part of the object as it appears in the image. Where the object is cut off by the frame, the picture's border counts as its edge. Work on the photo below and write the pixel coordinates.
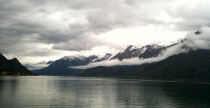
(12, 67)
(194, 65)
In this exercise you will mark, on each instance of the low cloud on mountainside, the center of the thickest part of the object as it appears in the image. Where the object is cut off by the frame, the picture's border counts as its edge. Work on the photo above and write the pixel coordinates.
(201, 40)
(194, 41)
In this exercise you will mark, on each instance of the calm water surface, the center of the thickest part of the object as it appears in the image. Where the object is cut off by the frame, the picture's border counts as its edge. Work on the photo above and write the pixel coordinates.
(77, 92)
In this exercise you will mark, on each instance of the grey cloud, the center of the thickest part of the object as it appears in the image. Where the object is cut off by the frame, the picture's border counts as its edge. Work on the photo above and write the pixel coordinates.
(20, 20)
(194, 15)
(53, 37)
(75, 45)
(37, 2)
(20, 28)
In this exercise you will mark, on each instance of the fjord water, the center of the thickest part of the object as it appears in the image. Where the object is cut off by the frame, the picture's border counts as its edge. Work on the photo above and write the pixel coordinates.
(79, 92)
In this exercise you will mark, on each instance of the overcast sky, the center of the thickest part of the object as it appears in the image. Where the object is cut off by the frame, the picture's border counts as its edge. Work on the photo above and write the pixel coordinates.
(36, 30)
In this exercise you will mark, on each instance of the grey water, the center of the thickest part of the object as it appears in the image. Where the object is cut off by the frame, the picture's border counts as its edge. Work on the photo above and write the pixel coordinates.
(81, 92)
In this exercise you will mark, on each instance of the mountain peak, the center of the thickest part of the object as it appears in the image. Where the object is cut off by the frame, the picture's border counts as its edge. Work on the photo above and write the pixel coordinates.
(12, 67)
(73, 57)
(197, 32)
(130, 48)
(107, 56)
(15, 60)
(42, 62)
(2, 57)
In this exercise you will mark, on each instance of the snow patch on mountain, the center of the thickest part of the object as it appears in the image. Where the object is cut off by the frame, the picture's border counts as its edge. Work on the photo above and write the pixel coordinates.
(73, 57)
(133, 48)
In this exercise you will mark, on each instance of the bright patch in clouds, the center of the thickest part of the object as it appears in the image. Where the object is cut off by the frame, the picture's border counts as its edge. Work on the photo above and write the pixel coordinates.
(142, 35)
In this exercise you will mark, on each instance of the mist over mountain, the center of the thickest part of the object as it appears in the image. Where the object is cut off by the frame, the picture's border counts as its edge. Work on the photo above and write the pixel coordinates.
(191, 66)
(38, 65)
(187, 60)
(147, 51)
(148, 54)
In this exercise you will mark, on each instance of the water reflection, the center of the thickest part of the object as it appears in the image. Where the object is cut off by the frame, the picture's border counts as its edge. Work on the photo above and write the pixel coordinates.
(41, 91)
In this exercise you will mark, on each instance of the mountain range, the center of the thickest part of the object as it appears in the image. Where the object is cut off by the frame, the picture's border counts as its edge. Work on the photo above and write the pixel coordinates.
(191, 64)
(62, 66)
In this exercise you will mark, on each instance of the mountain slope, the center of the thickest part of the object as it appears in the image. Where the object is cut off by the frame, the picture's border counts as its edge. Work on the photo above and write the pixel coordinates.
(62, 66)
(130, 52)
(186, 66)
(12, 67)
(147, 51)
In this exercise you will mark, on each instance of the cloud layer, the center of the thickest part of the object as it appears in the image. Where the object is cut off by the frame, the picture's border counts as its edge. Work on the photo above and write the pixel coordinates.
(30, 28)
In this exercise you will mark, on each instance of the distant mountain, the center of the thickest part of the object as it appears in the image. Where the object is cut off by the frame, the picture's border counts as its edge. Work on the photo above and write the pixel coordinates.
(62, 66)
(129, 52)
(99, 59)
(152, 51)
(38, 65)
(147, 51)
(12, 67)
(192, 66)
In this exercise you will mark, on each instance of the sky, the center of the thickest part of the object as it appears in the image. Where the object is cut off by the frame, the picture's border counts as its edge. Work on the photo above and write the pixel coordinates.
(36, 30)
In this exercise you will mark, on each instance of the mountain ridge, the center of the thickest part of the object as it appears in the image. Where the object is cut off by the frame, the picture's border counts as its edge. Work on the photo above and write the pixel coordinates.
(64, 64)
(191, 66)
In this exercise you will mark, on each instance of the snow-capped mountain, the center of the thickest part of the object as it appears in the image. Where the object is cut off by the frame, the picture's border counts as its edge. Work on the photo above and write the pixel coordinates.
(62, 65)
(146, 51)
(74, 60)
(151, 51)
(107, 56)
(130, 52)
